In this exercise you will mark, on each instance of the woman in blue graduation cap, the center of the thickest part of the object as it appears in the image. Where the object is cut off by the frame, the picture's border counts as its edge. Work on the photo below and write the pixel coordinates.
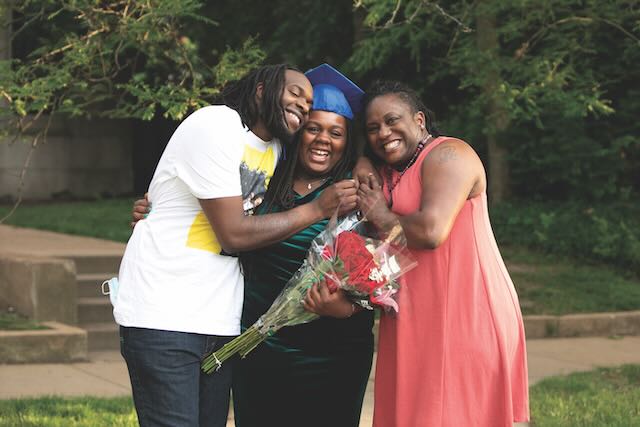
(313, 374)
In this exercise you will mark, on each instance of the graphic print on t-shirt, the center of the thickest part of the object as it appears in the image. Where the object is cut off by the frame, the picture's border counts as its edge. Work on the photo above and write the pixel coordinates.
(256, 169)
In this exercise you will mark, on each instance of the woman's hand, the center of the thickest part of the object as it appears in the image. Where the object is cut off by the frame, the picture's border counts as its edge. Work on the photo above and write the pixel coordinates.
(141, 209)
(341, 194)
(323, 302)
(363, 169)
(373, 205)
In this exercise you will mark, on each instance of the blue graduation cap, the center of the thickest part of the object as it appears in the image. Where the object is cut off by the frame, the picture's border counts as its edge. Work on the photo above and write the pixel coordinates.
(334, 92)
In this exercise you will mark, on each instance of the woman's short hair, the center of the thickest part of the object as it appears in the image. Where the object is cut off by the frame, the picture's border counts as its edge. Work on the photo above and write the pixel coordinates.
(407, 95)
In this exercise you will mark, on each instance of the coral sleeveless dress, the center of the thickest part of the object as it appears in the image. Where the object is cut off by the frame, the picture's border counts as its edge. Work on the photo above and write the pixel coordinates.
(455, 353)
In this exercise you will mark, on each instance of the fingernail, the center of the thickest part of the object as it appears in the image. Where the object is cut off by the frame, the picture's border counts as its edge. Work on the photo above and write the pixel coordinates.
(146, 215)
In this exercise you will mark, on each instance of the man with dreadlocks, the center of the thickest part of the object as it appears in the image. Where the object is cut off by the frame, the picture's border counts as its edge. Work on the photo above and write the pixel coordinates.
(180, 292)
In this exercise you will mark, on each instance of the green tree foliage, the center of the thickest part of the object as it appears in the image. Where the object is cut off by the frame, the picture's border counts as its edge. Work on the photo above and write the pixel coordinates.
(566, 72)
(557, 92)
(302, 33)
(117, 58)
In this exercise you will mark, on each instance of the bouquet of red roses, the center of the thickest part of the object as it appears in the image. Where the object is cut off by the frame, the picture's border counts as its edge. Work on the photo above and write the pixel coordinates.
(342, 256)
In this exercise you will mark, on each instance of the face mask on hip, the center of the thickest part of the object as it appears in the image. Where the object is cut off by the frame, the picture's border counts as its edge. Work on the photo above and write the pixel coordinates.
(110, 287)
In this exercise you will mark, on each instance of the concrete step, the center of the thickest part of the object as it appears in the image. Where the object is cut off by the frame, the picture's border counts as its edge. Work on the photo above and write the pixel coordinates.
(94, 310)
(103, 336)
(58, 343)
(93, 264)
(89, 285)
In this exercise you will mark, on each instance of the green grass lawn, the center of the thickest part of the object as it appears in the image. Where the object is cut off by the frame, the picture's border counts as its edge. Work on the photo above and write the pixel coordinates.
(549, 284)
(546, 284)
(106, 219)
(605, 397)
(74, 412)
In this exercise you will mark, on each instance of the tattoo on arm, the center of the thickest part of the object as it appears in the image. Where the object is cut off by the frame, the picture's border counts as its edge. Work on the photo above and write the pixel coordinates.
(447, 154)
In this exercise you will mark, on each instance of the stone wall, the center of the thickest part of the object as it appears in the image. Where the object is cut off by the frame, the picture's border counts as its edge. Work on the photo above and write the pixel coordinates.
(80, 158)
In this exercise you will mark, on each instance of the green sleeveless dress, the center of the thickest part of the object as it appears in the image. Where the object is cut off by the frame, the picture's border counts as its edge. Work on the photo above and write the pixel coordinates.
(307, 375)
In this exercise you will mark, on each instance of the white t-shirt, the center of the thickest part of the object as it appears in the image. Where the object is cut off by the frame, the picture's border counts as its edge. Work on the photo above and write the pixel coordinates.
(173, 275)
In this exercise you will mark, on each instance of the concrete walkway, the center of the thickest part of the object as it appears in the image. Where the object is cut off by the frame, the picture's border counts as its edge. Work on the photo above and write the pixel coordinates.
(106, 373)
(26, 241)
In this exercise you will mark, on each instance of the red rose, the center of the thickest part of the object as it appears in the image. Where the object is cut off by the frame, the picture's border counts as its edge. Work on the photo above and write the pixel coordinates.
(357, 260)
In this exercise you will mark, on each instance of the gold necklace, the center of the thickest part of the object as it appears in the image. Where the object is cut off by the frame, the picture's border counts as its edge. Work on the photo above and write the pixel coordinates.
(312, 183)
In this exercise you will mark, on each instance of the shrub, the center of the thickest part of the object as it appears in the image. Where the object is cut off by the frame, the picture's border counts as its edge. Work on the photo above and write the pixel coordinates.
(599, 233)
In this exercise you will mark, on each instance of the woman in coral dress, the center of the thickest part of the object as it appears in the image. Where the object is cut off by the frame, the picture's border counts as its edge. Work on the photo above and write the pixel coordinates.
(455, 353)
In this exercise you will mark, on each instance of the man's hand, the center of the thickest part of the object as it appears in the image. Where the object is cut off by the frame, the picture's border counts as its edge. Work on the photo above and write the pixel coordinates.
(141, 209)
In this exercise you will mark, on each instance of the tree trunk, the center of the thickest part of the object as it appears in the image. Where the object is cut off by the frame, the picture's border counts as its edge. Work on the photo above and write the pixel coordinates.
(5, 29)
(5, 39)
(497, 116)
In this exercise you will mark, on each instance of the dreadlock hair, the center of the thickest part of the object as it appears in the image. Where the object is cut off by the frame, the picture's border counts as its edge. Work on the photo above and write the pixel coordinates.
(408, 96)
(280, 191)
(241, 96)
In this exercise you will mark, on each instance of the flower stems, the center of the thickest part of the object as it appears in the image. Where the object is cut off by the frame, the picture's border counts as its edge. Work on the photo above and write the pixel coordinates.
(249, 339)
(286, 310)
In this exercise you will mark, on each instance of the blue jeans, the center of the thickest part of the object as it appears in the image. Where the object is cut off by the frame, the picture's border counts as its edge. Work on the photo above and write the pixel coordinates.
(169, 389)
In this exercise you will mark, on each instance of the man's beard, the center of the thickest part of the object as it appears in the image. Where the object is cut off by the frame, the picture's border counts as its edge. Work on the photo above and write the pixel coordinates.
(280, 130)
